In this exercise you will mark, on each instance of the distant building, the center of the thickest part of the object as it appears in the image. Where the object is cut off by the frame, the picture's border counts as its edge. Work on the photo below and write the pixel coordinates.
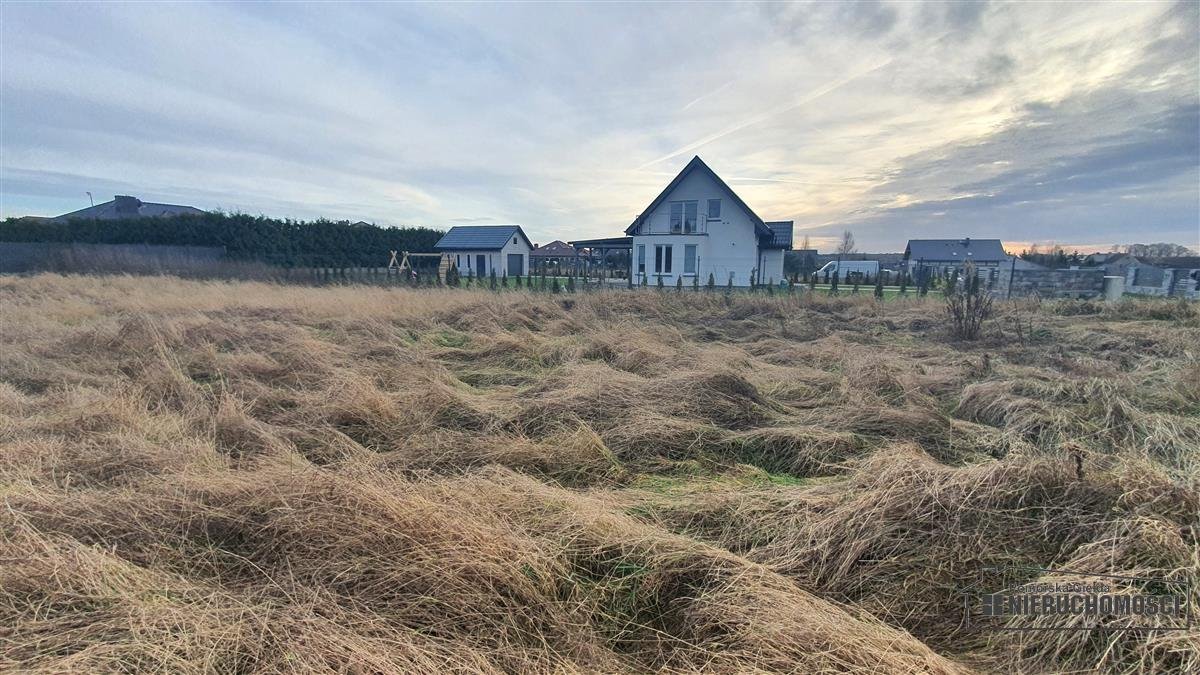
(943, 257)
(124, 206)
(480, 250)
(1174, 276)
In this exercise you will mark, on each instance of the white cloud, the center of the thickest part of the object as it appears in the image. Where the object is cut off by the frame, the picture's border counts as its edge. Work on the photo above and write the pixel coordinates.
(570, 118)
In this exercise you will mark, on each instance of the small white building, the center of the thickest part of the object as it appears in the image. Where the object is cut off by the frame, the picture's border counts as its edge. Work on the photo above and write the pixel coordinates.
(478, 250)
(697, 226)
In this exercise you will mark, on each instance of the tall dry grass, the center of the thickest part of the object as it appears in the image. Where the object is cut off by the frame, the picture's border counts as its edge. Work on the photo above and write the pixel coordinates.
(212, 476)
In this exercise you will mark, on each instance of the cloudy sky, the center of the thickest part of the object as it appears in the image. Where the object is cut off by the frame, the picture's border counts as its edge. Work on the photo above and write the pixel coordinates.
(1077, 123)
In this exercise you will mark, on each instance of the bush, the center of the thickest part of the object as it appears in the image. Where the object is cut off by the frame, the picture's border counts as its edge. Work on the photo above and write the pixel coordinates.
(967, 306)
(712, 282)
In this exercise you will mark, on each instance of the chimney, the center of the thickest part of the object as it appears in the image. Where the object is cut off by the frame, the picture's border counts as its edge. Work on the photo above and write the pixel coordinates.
(125, 205)
(967, 242)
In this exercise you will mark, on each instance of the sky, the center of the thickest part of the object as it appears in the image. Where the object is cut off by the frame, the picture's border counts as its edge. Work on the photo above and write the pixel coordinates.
(1068, 123)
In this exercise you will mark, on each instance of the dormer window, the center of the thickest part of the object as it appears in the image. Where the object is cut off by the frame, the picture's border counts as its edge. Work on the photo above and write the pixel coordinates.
(714, 209)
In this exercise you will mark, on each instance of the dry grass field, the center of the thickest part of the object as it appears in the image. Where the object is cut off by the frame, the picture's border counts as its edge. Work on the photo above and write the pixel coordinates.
(242, 477)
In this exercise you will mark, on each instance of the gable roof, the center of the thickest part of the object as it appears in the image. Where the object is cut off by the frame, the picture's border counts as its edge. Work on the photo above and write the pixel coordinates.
(698, 164)
(955, 249)
(555, 249)
(124, 206)
(479, 237)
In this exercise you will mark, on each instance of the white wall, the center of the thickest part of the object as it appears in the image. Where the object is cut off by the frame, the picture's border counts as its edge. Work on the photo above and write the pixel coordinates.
(772, 265)
(497, 260)
(729, 247)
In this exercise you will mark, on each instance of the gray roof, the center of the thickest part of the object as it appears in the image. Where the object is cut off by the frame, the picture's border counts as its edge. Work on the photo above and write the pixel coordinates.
(479, 237)
(1023, 264)
(555, 249)
(1173, 262)
(956, 250)
(781, 234)
(124, 206)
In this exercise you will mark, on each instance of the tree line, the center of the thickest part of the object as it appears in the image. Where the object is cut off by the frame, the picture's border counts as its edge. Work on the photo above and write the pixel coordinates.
(289, 243)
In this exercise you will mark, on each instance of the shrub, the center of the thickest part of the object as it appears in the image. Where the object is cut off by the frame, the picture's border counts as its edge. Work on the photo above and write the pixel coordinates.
(712, 282)
(679, 283)
(879, 286)
(967, 305)
(554, 287)
(570, 284)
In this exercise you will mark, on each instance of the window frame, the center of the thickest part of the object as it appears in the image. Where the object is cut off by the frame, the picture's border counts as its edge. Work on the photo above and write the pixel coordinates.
(662, 258)
(641, 259)
(711, 202)
(691, 260)
(681, 227)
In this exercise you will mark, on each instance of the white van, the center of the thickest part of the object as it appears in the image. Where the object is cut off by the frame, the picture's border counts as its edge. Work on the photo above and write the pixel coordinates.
(853, 268)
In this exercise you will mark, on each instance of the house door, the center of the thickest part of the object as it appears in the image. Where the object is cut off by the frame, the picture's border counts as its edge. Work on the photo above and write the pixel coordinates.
(480, 265)
(516, 264)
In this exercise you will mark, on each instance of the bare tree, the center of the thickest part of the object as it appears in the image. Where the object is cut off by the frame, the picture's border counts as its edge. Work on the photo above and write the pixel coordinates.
(804, 243)
(846, 246)
(1157, 250)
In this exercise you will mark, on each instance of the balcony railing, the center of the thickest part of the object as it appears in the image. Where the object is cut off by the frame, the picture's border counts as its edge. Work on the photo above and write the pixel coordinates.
(661, 224)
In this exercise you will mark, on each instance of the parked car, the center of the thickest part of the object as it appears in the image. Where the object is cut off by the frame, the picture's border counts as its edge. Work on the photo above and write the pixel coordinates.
(850, 269)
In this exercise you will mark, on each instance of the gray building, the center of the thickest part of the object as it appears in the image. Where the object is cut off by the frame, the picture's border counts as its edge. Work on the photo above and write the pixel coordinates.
(124, 206)
(1171, 276)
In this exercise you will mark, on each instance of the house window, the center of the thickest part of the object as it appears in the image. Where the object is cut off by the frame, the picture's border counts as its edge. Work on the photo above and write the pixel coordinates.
(683, 217)
(689, 259)
(514, 240)
(714, 209)
(641, 259)
(662, 259)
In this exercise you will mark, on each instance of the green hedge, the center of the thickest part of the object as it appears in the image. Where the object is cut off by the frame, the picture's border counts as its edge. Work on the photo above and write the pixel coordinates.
(291, 243)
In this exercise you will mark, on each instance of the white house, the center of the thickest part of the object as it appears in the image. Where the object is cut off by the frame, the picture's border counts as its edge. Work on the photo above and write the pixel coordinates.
(477, 250)
(697, 226)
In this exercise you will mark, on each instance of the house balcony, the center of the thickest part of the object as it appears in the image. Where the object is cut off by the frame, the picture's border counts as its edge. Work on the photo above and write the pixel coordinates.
(662, 224)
